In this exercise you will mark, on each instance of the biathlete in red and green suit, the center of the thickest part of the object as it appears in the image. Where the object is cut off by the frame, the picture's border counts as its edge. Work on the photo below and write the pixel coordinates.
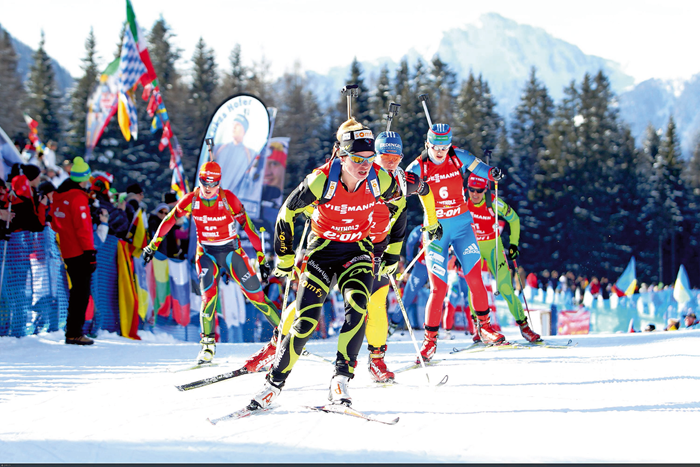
(345, 191)
(215, 212)
(442, 167)
(484, 221)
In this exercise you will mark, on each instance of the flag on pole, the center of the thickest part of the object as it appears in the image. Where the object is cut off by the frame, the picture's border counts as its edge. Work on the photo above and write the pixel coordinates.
(34, 132)
(139, 41)
(627, 282)
(102, 105)
(681, 289)
(131, 69)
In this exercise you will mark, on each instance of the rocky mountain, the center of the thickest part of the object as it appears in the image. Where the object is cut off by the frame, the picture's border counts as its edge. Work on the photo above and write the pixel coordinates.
(64, 80)
(503, 52)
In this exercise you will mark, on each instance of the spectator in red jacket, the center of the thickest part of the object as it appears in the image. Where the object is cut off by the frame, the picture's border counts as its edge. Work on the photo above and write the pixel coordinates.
(73, 224)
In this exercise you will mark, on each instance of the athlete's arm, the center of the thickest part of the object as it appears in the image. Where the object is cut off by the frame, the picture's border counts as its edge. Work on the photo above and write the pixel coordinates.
(238, 210)
(181, 209)
(513, 220)
(473, 163)
(309, 191)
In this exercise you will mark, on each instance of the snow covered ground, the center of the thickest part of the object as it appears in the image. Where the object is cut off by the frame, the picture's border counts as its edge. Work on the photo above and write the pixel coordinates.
(611, 398)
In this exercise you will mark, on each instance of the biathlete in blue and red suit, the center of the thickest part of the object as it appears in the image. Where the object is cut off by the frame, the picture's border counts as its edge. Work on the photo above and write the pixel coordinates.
(215, 212)
(443, 167)
(345, 192)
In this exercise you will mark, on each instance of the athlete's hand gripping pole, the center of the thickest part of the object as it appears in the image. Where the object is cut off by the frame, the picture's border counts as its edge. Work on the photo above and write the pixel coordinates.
(410, 265)
(290, 278)
(408, 324)
(350, 91)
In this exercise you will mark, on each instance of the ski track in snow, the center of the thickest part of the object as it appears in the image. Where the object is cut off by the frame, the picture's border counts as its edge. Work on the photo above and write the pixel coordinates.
(611, 398)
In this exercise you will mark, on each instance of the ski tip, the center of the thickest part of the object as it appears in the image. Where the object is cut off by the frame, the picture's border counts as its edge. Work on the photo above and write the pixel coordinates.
(213, 422)
(180, 388)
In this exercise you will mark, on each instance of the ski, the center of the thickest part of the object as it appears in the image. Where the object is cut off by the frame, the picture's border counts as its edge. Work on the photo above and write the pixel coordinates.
(547, 345)
(477, 347)
(238, 414)
(214, 379)
(345, 410)
(413, 366)
(192, 367)
(392, 383)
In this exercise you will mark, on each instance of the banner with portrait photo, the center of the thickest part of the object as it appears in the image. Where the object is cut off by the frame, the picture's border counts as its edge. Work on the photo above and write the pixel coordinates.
(273, 181)
(240, 128)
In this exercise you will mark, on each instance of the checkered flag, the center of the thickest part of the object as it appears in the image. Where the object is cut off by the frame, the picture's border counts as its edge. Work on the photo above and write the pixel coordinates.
(131, 68)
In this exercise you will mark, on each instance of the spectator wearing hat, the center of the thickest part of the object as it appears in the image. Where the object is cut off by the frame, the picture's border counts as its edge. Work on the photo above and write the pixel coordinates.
(235, 158)
(73, 224)
(691, 322)
(118, 222)
(134, 198)
(30, 213)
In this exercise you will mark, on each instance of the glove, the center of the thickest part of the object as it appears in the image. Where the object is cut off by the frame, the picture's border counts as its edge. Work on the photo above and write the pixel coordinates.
(91, 256)
(285, 267)
(434, 231)
(496, 174)
(390, 263)
(265, 271)
(147, 255)
(513, 252)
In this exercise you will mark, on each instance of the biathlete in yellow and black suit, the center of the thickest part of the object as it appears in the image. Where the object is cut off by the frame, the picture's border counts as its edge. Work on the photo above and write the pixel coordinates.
(387, 234)
(345, 192)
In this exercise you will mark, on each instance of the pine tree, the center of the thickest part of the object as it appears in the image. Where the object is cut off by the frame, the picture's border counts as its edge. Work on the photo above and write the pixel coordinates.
(360, 104)
(43, 102)
(81, 93)
(380, 100)
(11, 89)
(259, 84)
(234, 81)
(300, 118)
(201, 101)
(443, 89)
(164, 56)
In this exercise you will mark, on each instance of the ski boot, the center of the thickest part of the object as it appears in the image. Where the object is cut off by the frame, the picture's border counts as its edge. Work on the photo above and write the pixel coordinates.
(338, 391)
(377, 367)
(429, 346)
(263, 356)
(267, 394)
(527, 332)
(206, 355)
(486, 332)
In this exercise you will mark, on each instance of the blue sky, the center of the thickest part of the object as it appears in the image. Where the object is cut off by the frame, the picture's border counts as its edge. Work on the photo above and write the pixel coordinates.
(649, 38)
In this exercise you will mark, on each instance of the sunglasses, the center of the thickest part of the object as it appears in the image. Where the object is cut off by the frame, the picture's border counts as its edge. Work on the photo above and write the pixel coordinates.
(209, 184)
(162, 212)
(391, 157)
(477, 190)
(439, 148)
(359, 159)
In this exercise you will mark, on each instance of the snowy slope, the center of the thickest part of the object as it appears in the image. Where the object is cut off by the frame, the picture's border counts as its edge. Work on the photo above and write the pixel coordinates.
(611, 398)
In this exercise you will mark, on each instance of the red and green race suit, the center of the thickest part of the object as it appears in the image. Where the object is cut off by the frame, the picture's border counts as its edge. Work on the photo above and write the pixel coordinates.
(484, 222)
(218, 246)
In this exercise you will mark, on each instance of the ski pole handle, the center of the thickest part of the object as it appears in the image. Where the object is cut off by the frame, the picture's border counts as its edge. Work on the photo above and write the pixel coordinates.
(393, 112)
(424, 100)
(210, 145)
(350, 91)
